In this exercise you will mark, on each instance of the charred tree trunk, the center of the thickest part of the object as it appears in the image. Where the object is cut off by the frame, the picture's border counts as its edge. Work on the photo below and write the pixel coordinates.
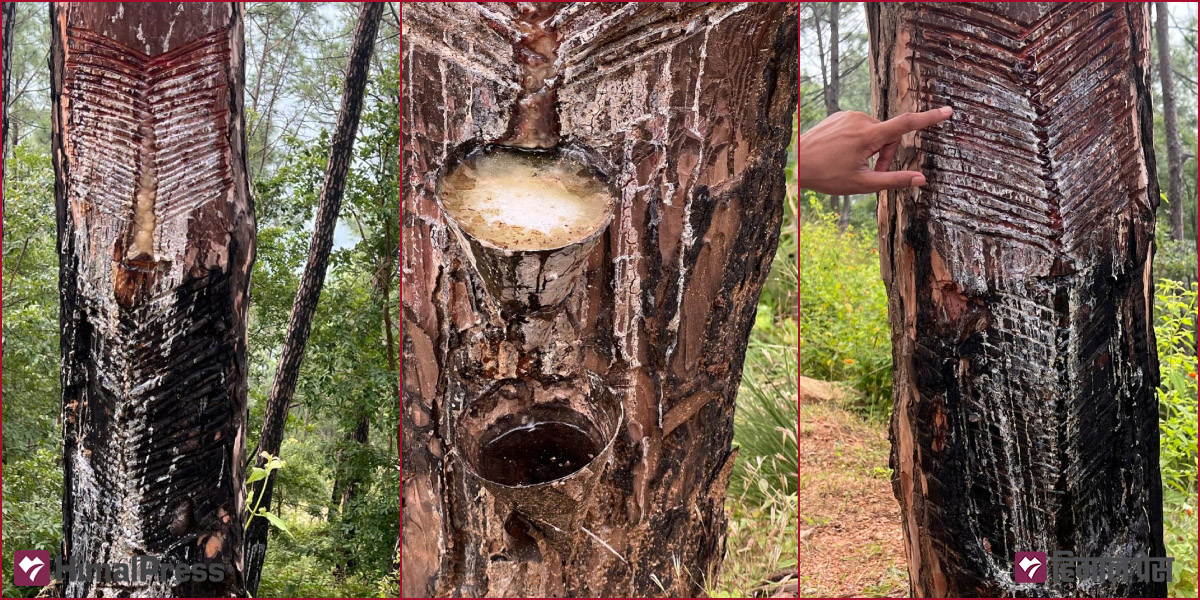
(1020, 290)
(156, 241)
(1166, 79)
(313, 279)
(690, 106)
(7, 12)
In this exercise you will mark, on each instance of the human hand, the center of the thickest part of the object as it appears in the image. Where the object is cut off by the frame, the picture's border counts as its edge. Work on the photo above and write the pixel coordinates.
(834, 155)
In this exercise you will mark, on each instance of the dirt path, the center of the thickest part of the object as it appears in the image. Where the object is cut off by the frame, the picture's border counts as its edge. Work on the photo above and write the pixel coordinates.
(850, 540)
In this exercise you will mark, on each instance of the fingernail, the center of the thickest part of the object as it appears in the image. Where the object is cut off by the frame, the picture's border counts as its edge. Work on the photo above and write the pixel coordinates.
(918, 181)
(947, 111)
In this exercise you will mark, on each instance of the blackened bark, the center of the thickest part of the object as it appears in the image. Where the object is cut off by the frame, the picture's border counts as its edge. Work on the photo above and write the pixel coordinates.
(155, 241)
(1020, 291)
(1166, 80)
(7, 12)
(691, 106)
(313, 279)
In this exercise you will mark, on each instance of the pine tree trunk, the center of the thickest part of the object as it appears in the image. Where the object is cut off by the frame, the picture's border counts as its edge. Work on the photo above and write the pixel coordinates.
(1166, 79)
(691, 107)
(313, 279)
(156, 241)
(7, 12)
(1020, 290)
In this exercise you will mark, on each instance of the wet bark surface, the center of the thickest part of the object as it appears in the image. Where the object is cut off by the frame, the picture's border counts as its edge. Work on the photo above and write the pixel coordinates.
(287, 373)
(690, 105)
(156, 241)
(1020, 290)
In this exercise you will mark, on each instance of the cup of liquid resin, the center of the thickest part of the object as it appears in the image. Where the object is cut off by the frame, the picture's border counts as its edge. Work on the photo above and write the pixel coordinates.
(540, 449)
(527, 218)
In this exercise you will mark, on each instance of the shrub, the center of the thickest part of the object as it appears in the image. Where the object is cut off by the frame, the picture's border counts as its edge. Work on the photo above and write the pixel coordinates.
(1175, 330)
(842, 322)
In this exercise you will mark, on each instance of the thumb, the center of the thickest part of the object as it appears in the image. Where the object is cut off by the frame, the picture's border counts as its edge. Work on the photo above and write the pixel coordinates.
(890, 180)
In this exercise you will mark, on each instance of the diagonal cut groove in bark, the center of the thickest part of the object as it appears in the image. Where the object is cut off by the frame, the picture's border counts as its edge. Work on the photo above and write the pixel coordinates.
(1019, 290)
(156, 239)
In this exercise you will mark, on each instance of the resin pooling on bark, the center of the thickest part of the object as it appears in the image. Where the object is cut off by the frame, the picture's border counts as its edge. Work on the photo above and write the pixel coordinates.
(528, 219)
(524, 201)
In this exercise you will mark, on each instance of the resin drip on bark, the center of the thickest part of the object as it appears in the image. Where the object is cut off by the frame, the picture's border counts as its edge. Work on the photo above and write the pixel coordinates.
(689, 105)
(155, 240)
(1019, 291)
(535, 121)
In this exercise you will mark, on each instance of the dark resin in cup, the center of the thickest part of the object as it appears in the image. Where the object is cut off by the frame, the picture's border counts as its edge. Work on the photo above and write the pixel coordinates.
(536, 453)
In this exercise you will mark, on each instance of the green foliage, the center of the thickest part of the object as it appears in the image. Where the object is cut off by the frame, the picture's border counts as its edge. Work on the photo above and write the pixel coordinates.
(32, 506)
(1175, 260)
(1175, 331)
(32, 444)
(765, 421)
(843, 326)
(254, 502)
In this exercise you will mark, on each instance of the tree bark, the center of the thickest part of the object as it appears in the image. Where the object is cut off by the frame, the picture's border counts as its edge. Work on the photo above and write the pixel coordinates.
(834, 91)
(1171, 121)
(692, 103)
(155, 241)
(1020, 290)
(7, 12)
(313, 278)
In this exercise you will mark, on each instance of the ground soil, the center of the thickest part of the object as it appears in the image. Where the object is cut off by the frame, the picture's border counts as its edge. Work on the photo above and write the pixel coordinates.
(850, 538)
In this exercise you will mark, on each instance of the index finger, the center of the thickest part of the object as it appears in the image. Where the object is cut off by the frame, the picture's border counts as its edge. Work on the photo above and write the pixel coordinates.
(898, 126)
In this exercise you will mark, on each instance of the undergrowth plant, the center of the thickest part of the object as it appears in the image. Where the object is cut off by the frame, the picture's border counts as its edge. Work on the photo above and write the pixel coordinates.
(1175, 331)
(842, 321)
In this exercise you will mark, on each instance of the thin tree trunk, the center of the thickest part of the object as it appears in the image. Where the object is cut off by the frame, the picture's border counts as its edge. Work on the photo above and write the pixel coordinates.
(829, 76)
(1171, 120)
(833, 92)
(1019, 284)
(313, 278)
(155, 241)
(691, 106)
(7, 12)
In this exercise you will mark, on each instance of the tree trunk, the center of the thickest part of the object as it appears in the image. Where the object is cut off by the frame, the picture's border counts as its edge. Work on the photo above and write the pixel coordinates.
(1020, 290)
(840, 205)
(7, 12)
(313, 278)
(1171, 120)
(693, 104)
(155, 241)
(834, 91)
